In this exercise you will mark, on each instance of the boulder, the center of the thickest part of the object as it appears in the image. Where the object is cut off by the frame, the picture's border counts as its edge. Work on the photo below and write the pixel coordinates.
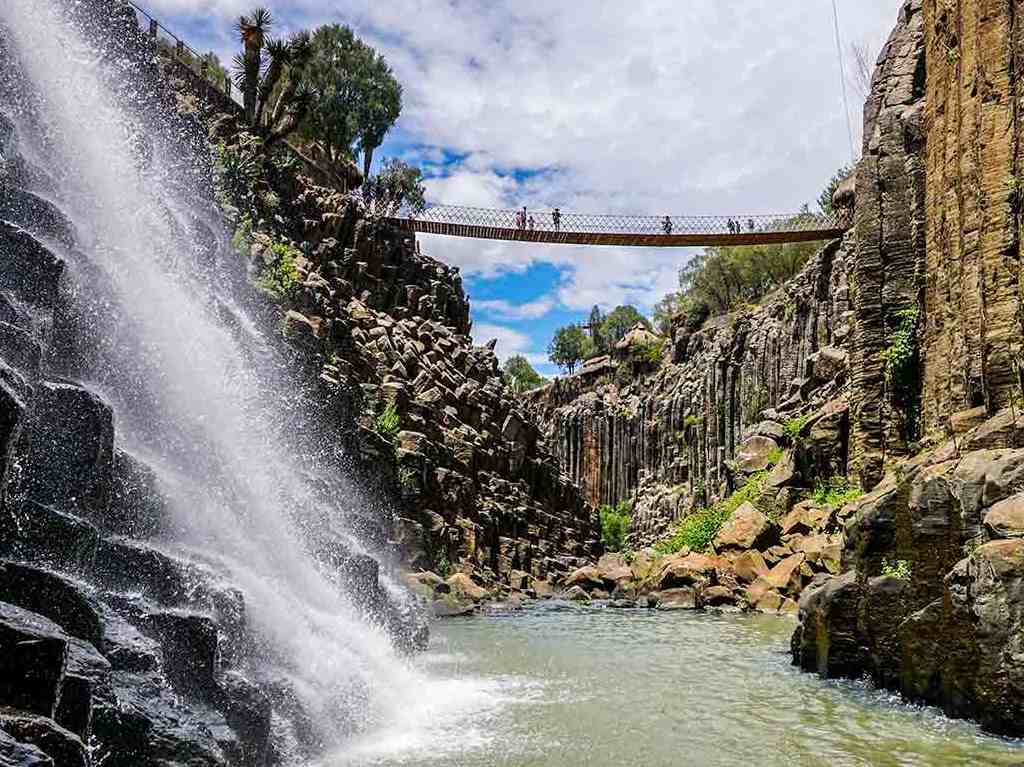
(749, 565)
(68, 462)
(588, 577)
(746, 529)
(577, 594)
(33, 656)
(828, 639)
(717, 596)
(613, 568)
(786, 576)
(678, 599)
(1006, 518)
(15, 754)
(756, 454)
(62, 746)
(685, 570)
(462, 586)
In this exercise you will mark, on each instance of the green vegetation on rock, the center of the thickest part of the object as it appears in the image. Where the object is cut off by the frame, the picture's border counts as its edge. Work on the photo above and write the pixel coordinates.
(280, 276)
(836, 491)
(696, 531)
(615, 525)
(793, 428)
(388, 423)
(897, 568)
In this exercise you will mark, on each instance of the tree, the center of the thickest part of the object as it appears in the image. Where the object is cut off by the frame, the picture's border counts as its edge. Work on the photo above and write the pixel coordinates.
(519, 374)
(355, 96)
(825, 198)
(596, 334)
(620, 321)
(269, 73)
(568, 347)
(398, 184)
(252, 30)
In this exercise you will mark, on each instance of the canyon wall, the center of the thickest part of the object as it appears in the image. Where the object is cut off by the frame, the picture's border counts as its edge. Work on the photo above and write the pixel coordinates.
(666, 438)
(972, 330)
(479, 491)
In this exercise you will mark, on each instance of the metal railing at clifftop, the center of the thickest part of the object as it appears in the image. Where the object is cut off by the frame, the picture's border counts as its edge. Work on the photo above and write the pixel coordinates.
(621, 230)
(174, 48)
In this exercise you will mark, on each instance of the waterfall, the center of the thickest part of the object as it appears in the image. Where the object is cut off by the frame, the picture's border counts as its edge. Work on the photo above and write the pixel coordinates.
(198, 384)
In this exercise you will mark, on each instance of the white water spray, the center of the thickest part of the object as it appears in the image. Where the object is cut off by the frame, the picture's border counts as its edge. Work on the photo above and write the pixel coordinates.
(189, 372)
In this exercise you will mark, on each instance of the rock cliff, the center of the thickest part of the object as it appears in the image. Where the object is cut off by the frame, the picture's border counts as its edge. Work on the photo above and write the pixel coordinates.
(667, 439)
(480, 493)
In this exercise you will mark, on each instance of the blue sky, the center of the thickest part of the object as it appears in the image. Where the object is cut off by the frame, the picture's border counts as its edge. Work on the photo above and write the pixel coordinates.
(595, 106)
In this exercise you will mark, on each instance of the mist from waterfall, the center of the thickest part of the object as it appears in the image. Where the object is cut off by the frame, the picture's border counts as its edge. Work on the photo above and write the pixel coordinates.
(193, 373)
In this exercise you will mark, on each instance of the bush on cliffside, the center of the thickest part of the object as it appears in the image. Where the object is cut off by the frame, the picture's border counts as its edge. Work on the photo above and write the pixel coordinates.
(615, 525)
(696, 531)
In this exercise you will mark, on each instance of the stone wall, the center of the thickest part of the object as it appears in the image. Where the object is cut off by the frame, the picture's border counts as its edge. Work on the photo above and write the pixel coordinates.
(665, 438)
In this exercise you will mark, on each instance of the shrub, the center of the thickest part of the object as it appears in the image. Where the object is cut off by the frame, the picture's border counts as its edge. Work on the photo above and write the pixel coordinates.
(615, 525)
(388, 422)
(794, 426)
(836, 491)
(897, 568)
(651, 354)
(696, 531)
(280, 277)
(775, 456)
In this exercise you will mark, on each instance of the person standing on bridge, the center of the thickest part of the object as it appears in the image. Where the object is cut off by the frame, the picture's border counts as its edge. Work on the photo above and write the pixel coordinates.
(556, 219)
(522, 219)
(666, 225)
(751, 225)
(530, 223)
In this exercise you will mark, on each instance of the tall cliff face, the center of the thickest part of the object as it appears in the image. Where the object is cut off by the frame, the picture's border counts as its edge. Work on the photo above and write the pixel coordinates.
(666, 439)
(974, 187)
(930, 603)
(887, 267)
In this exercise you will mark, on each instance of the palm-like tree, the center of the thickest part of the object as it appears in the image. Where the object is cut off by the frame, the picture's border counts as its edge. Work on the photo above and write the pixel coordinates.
(252, 31)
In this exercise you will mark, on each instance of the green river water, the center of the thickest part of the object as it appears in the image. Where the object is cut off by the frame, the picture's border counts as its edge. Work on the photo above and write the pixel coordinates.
(562, 685)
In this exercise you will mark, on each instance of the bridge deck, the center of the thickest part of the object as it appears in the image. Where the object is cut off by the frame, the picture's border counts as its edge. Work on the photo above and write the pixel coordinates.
(555, 227)
(617, 239)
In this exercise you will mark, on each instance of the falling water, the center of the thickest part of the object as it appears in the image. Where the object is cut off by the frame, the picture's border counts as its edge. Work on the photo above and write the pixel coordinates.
(193, 373)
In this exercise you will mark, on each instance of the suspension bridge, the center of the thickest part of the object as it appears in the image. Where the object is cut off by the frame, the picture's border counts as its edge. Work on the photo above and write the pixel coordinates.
(555, 227)
(548, 226)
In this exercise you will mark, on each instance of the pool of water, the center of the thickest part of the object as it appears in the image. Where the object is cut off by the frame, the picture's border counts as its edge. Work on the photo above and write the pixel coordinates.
(557, 684)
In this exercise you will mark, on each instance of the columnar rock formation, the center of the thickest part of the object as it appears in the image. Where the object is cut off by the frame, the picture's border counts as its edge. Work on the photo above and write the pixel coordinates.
(974, 192)
(667, 438)
(886, 270)
(480, 491)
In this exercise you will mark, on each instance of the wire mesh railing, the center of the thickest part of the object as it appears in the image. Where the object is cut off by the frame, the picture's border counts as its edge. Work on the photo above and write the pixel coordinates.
(174, 48)
(587, 223)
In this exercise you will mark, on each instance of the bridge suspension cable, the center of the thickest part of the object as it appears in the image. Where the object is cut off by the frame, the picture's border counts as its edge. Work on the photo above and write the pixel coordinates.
(551, 226)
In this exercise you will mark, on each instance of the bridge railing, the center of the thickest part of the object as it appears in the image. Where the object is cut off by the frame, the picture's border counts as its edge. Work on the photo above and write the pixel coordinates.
(588, 223)
(176, 49)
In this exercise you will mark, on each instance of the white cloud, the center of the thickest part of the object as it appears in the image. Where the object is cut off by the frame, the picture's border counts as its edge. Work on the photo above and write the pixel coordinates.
(506, 310)
(655, 107)
(510, 341)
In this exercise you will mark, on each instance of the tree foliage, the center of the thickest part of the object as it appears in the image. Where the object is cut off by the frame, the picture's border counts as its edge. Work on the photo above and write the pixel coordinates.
(615, 525)
(569, 347)
(355, 96)
(620, 321)
(397, 185)
(519, 374)
(825, 198)
(269, 73)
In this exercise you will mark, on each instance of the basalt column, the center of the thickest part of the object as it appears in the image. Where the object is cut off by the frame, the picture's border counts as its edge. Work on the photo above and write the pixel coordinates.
(972, 333)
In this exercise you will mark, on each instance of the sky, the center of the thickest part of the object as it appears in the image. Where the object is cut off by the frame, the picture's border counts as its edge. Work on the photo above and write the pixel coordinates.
(648, 107)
